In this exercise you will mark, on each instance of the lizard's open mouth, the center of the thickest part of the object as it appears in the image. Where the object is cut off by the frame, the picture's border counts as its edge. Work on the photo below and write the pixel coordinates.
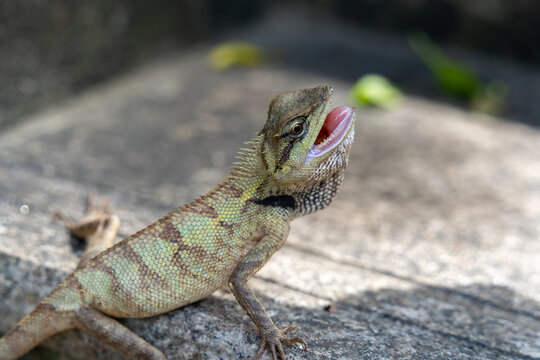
(335, 127)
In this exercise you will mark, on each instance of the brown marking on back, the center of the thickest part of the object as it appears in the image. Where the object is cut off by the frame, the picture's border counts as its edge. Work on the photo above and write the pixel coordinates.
(196, 251)
(223, 245)
(232, 191)
(170, 233)
(116, 288)
(174, 237)
(144, 270)
(73, 283)
(45, 307)
(228, 227)
(204, 209)
(192, 251)
(97, 262)
(126, 290)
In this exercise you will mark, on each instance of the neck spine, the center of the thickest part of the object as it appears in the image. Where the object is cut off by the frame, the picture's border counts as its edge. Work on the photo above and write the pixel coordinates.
(249, 172)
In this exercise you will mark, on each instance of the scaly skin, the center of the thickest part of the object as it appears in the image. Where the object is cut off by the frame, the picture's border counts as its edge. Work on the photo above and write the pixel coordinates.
(225, 236)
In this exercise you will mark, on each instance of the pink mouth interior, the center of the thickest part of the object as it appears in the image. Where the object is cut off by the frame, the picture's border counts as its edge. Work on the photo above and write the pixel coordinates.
(332, 121)
(333, 131)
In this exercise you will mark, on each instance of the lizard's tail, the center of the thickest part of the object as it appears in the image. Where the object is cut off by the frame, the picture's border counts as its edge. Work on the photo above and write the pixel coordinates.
(41, 323)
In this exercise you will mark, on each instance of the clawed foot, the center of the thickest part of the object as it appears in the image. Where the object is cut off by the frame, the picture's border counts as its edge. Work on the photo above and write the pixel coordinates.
(91, 222)
(98, 226)
(274, 340)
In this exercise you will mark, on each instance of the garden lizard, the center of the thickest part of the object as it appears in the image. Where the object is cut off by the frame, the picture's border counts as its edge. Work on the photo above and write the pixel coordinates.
(292, 167)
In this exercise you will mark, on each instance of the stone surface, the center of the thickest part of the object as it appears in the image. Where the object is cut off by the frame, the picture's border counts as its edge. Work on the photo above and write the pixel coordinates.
(430, 250)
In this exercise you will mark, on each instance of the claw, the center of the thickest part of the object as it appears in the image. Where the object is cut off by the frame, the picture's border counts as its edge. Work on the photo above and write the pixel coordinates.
(297, 339)
(290, 328)
(261, 350)
(60, 216)
(274, 355)
(97, 213)
(281, 352)
(276, 348)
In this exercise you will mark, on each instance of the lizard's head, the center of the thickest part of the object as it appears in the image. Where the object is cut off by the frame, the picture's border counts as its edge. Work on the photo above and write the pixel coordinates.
(305, 145)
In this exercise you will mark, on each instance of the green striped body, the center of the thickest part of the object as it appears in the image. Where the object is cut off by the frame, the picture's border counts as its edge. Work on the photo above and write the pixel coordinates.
(179, 259)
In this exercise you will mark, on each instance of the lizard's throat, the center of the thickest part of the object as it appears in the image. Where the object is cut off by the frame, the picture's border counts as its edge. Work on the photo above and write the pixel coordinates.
(316, 196)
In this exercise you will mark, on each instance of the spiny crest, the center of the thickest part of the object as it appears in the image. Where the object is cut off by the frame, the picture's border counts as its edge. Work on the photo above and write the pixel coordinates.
(248, 158)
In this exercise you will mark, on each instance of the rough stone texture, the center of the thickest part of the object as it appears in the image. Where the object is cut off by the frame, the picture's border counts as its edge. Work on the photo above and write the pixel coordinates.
(430, 250)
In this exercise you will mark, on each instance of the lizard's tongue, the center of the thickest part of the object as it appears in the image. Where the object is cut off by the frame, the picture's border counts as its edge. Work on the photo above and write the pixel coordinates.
(334, 129)
(332, 121)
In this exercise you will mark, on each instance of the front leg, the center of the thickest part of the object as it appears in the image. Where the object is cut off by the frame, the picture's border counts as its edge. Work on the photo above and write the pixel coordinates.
(270, 335)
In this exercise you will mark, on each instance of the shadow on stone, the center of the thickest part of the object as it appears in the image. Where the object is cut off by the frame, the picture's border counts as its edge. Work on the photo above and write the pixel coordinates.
(425, 322)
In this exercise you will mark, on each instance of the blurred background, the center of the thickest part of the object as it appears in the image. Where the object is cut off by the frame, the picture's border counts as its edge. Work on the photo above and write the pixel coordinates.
(477, 54)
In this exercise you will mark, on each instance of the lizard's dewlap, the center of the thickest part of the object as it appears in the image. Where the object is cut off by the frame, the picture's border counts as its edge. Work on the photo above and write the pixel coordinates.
(334, 129)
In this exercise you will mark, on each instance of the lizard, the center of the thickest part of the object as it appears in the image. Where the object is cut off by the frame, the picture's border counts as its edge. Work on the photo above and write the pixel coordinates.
(293, 167)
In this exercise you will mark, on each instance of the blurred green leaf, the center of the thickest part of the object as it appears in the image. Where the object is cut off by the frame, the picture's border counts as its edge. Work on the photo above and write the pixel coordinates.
(235, 53)
(456, 79)
(375, 90)
(452, 77)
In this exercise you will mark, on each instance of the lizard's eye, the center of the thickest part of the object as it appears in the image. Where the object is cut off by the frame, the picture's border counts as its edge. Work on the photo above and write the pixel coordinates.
(297, 128)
